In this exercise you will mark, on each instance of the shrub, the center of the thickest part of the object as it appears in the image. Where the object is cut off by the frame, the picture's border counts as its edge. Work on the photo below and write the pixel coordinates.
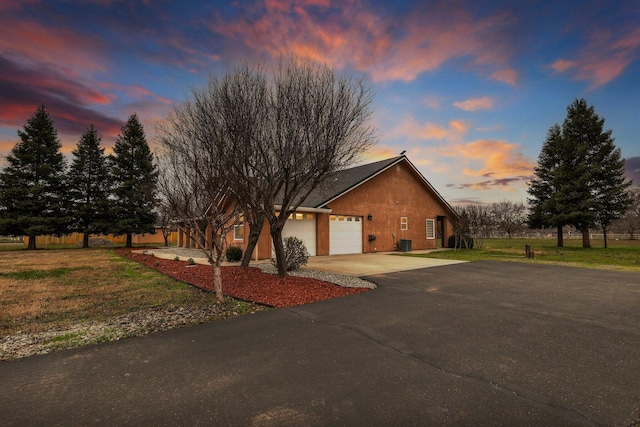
(190, 261)
(295, 253)
(452, 242)
(233, 253)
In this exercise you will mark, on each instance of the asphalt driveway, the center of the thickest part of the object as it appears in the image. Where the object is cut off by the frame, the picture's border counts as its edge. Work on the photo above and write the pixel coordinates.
(469, 344)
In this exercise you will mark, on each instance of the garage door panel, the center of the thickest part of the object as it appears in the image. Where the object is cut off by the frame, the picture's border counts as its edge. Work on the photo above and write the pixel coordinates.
(304, 228)
(345, 234)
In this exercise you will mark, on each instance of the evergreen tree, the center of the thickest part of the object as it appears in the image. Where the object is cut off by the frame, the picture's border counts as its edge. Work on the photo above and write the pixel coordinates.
(543, 189)
(580, 175)
(32, 186)
(135, 178)
(611, 196)
(89, 186)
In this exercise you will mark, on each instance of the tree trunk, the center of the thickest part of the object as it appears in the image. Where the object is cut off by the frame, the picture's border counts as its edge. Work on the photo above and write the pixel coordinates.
(32, 243)
(85, 240)
(278, 246)
(217, 280)
(255, 228)
(586, 243)
(560, 237)
(604, 235)
(128, 244)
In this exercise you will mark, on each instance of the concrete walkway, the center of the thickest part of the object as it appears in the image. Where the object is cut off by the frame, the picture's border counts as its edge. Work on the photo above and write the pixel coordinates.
(356, 265)
(371, 264)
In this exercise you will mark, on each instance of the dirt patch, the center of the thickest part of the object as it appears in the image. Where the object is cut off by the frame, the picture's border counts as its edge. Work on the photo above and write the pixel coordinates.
(249, 284)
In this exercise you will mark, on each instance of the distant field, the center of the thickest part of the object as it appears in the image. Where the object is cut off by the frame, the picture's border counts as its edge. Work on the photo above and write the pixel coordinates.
(620, 255)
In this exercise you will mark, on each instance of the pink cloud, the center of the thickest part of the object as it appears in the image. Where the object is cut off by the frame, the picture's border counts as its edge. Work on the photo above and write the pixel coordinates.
(475, 104)
(490, 158)
(351, 33)
(413, 130)
(604, 58)
(49, 45)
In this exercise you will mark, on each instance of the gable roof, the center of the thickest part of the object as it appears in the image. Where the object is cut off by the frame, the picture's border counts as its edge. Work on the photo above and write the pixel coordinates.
(341, 182)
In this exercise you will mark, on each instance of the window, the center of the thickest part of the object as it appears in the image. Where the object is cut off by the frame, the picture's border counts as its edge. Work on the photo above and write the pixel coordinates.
(238, 227)
(333, 218)
(404, 223)
(431, 229)
(299, 216)
(309, 216)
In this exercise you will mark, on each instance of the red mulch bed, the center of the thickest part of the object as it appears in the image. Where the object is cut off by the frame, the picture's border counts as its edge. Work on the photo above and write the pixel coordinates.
(249, 284)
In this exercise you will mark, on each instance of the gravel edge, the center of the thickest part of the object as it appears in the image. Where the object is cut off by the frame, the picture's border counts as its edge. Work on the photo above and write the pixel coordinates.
(124, 326)
(337, 279)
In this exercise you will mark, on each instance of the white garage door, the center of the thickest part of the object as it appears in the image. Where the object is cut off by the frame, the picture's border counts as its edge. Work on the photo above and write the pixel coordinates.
(302, 226)
(345, 234)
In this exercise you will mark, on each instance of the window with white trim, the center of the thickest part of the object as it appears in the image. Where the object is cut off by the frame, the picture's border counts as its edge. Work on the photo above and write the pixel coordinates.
(238, 227)
(404, 223)
(431, 229)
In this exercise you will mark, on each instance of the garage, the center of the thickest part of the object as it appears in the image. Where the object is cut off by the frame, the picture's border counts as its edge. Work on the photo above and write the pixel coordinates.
(303, 226)
(345, 234)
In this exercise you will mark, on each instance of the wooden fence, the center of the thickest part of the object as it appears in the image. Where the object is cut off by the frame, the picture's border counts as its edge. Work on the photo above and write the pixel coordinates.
(75, 238)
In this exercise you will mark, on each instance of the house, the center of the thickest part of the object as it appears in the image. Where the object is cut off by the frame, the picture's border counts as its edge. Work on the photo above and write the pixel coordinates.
(381, 206)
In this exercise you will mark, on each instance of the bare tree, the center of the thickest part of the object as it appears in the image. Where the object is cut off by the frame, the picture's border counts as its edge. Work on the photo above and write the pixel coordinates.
(166, 218)
(630, 222)
(280, 135)
(193, 187)
(477, 221)
(320, 125)
(239, 101)
(509, 217)
(461, 231)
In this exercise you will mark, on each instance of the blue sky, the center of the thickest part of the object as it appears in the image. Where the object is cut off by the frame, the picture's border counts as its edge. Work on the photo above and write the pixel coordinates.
(467, 88)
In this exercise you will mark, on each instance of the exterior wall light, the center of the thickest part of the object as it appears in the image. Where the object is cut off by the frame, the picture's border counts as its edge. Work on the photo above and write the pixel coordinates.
(369, 217)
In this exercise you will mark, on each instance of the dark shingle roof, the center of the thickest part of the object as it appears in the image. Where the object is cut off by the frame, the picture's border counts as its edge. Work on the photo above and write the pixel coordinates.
(345, 180)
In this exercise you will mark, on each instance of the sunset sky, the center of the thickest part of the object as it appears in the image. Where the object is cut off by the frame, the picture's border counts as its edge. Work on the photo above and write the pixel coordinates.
(467, 88)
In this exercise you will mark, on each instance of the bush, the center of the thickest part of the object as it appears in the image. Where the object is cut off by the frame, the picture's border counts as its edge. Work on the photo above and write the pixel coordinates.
(295, 253)
(452, 242)
(233, 253)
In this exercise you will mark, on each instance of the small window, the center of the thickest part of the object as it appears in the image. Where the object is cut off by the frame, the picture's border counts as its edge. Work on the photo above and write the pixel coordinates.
(350, 218)
(309, 216)
(340, 218)
(431, 229)
(404, 223)
(357, 219)
(332, 218)
(238, 227)
(290, 216)
(299, 217)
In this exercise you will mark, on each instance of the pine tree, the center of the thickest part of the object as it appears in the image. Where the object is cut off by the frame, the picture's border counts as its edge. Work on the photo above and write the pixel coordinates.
(580, 175)
(32, 186)
(89, 186)
(611, 196)
(543, 189)
(135, 178)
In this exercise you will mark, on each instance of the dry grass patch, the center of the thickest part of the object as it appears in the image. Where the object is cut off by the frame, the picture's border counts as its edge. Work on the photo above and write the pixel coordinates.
(53, 289)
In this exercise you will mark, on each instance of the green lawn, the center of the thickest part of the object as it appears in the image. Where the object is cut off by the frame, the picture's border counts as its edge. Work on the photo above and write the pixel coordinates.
(620, 255)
